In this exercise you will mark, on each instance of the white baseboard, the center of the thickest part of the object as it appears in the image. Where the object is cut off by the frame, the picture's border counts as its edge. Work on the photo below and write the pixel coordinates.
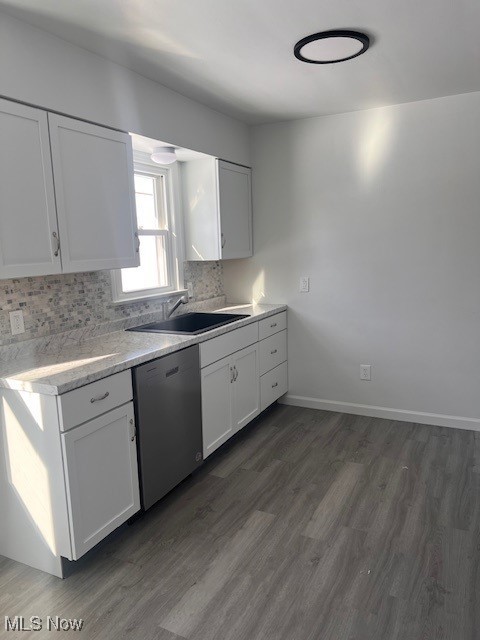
(457, 422)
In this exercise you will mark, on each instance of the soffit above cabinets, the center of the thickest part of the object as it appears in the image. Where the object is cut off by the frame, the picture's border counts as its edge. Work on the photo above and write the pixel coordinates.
(237, 56)
(144, 145)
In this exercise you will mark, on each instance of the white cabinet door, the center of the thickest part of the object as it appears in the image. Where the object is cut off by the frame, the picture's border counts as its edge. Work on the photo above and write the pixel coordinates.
(235, 204)
(246, 387)
(28, 219)
(94, 190)
(101, 471)
(200, 207)
(217, 380)
(217, 204)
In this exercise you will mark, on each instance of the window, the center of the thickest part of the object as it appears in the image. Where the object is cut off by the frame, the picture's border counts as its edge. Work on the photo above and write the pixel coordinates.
(156, 194)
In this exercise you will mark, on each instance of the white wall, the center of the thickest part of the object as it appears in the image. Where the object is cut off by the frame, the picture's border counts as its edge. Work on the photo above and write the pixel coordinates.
(381, 209)
(44, 70)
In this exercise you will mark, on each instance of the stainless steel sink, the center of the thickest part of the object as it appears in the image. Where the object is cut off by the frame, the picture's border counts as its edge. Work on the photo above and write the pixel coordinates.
(190, 323)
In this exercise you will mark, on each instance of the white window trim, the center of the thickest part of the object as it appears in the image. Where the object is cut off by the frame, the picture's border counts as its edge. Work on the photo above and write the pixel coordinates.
(143, 163)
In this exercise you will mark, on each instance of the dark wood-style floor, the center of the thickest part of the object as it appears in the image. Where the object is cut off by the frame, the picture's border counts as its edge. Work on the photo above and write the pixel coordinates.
(309, 526)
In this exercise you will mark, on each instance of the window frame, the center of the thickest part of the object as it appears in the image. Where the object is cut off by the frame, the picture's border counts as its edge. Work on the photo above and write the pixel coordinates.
(173, 234)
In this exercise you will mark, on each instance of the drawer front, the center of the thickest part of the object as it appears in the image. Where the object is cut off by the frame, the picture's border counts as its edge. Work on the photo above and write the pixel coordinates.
(90, 401)
(273, 351)
(273, 385)
(226, 344)
(272, 324)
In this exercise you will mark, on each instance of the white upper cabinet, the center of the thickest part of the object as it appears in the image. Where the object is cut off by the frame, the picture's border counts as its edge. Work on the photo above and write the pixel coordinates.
(217, 200)
(28, 222)
(94, 190)
(235, 207)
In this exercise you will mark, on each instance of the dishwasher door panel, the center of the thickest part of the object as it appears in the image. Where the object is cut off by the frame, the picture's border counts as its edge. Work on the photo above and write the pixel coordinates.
(169, 422)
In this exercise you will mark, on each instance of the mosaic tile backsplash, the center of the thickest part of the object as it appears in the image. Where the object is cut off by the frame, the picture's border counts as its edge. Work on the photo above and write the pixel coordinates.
(54, 304)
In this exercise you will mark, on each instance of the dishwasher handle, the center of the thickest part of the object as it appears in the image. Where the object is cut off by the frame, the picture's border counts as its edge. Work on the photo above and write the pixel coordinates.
(172, 372)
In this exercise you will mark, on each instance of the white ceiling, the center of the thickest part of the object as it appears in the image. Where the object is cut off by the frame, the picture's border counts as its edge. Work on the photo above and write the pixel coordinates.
(236, 55)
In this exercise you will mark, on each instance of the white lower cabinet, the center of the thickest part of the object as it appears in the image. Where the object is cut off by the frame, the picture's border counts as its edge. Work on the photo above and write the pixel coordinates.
(241, 376)
(245, 389)
(230, 397)
(217, 422)
(101, 474)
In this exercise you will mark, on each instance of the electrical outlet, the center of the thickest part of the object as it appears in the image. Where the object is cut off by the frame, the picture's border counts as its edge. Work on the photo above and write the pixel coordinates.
(365, 372)
(190, 290)
(304, 284)
(16, 322)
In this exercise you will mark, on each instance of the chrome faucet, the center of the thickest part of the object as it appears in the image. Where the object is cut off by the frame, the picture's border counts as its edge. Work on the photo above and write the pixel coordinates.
(182, 300)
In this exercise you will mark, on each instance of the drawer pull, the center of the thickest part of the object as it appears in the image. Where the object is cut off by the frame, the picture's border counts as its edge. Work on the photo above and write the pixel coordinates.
(56, 239)
(274, 385)
(272, 326)
(98, 398)
(273, 352)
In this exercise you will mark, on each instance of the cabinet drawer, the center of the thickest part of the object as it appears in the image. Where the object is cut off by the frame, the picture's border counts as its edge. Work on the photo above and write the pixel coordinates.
(272, 324)
(273, 351)
(273, 385)
(226, 344)
(85, 403)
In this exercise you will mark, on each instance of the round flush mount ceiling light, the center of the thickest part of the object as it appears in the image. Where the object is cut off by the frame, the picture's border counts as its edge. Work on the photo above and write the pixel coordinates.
(328, 47)
(164, 155)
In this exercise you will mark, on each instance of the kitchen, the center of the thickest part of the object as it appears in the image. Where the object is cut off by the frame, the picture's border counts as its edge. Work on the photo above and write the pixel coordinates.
(342, 254)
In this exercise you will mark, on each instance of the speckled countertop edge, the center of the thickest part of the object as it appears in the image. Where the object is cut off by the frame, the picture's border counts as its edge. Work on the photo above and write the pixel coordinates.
(97, 358)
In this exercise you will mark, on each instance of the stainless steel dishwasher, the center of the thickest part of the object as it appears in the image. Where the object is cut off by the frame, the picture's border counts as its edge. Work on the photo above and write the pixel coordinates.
(169, 421)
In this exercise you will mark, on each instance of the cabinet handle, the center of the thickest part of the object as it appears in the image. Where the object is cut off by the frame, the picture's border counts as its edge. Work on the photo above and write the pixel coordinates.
(138, 242)
(232, 375)
(223, 240)
(56, 240)
(98, 398)
(273, 352)
(134, 430)
(272, 326)
(274, 385)
(236, 373)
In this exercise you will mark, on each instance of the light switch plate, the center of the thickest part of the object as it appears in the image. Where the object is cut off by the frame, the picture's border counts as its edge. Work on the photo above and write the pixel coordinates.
(304, 284)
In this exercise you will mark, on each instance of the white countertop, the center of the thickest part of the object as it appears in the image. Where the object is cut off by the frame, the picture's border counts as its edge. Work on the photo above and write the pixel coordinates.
(105, 355)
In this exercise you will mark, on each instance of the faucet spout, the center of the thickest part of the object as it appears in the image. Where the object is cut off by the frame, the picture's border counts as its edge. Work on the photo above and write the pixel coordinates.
(181, 300)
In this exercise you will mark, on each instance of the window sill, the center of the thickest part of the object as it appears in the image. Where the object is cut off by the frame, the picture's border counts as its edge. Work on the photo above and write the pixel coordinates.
(153, 296)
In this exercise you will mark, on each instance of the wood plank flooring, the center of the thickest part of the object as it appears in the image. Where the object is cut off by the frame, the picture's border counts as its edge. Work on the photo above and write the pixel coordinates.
(308, 526)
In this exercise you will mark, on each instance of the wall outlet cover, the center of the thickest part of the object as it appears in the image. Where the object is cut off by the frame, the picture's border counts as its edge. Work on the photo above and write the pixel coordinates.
(365, 372)
(17, 325)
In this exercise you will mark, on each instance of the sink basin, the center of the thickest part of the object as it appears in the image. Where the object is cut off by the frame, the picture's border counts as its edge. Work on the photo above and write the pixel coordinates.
(190, 323)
